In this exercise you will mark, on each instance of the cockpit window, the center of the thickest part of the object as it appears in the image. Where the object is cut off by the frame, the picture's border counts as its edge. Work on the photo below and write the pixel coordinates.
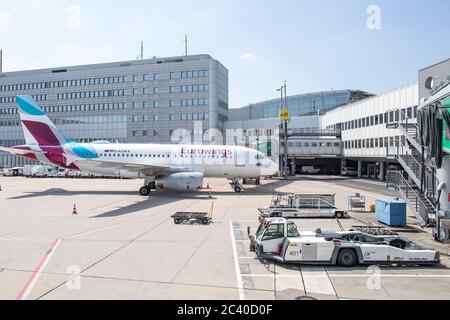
(259, 157)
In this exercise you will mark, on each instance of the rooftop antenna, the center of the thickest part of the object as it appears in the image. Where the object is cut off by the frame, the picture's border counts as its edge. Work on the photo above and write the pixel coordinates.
(185, 45)
(142, 50)
(1, 61)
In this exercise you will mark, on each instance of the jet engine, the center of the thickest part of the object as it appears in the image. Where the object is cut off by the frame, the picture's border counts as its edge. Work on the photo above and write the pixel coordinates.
(181, 181)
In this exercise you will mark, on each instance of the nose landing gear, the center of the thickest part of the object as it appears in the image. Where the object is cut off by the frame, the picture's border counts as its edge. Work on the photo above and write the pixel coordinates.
(236, 185)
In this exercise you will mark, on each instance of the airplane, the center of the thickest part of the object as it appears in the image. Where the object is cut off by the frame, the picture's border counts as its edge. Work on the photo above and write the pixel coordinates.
(163, 166)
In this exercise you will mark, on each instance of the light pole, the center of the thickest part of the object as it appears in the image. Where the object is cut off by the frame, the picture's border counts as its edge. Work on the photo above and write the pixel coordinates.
(283, 106)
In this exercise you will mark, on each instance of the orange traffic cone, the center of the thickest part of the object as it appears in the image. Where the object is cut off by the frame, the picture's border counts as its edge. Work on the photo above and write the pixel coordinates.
(74, 212)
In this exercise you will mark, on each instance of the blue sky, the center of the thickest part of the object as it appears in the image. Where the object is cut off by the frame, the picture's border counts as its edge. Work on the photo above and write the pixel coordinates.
(313, 45)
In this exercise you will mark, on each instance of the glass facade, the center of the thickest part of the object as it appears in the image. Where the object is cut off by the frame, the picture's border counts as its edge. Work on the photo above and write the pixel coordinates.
(306, 104)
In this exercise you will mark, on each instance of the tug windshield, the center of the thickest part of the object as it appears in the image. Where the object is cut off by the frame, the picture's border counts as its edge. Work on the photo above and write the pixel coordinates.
(260, 232)
(292, 231)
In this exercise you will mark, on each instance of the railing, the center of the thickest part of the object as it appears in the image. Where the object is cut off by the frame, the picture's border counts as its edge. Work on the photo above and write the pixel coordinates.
(429, 182)
(399, 117)
(397, 180)
(312, 131)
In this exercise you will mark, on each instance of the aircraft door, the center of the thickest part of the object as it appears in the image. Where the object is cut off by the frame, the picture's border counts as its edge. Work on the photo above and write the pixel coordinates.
(240, 158)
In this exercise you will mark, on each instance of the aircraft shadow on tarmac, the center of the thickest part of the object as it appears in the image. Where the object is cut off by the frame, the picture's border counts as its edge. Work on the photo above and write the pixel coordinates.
(163, 197)
(157, 198)
(62, 192)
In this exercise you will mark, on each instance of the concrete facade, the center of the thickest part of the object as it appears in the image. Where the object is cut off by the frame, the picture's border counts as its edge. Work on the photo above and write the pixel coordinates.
(142, 101)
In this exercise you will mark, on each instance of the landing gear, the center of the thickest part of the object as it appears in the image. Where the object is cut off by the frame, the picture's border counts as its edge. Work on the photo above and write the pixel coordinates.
(149, 185)
(145, 191)
(236, 185)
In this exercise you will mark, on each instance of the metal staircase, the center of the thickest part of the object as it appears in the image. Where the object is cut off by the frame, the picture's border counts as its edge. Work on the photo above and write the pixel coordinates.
(419, 203)
(417, 183)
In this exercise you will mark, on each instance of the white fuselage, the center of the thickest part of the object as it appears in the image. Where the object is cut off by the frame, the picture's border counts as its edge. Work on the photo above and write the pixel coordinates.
(211, 161)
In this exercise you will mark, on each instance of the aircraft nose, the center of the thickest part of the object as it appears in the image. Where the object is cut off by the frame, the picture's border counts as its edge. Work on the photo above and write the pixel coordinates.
(269, 168)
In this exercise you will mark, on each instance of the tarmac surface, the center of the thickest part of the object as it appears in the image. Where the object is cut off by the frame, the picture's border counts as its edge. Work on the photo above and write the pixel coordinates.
(123, 246)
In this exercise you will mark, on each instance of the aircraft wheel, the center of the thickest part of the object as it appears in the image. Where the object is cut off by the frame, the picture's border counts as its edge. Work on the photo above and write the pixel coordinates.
(347, 258)
(152, 185)
(144, 191)
(237, 189)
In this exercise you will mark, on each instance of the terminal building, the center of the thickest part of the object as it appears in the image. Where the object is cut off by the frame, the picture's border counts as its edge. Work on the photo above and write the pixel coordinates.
(141, 101)
(355, 131)
(309, 143)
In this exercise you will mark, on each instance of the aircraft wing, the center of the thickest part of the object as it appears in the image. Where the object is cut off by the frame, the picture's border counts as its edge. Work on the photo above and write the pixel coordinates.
(145, 169)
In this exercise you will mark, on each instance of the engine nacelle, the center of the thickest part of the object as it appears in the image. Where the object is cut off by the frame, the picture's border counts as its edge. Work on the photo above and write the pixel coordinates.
(181, 181)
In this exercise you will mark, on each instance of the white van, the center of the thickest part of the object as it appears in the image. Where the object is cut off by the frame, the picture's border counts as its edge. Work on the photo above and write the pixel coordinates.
(310, 170)
(61, 173)
(28, 171)
(43, 172)
(7, 172)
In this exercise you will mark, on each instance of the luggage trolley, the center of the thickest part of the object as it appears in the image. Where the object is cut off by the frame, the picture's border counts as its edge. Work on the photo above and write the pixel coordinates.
(204, 218)
(356, 201)
(186, 217)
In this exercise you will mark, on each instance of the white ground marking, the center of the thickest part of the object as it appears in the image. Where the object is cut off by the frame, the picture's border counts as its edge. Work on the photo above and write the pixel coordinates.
(26, 290)
(351, 276)
(236, 264)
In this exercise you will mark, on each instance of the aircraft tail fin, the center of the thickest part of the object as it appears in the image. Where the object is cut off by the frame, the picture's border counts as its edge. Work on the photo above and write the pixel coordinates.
(37, 127)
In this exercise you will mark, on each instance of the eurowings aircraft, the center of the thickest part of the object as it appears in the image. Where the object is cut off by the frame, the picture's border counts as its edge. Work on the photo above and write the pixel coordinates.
(174, 167)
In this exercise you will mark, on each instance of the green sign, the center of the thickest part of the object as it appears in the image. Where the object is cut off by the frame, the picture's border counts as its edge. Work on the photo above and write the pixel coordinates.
(266, 148)
(446, 102)
(446, 137)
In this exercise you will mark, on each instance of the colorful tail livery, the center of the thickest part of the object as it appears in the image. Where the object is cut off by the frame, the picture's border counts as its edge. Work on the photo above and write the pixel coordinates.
(43, 140)
(37, 127)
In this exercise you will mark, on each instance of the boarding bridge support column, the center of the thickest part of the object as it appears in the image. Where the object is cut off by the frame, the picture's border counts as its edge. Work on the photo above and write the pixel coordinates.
(381, 175)
(359, 168)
